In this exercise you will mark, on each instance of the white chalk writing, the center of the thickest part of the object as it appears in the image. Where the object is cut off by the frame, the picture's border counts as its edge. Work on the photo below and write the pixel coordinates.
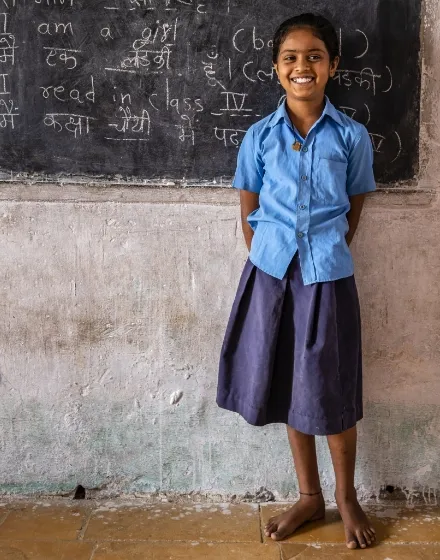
(365, 78)
(229, 136)
(234, 105)
(165, 71)
(132, 123)
(61, 93)
(152, 5)
(7, 114)
(186, 130)
(55, 2)
(64, 56)
(241, 39)
(75, 124)
(7, 42)
(3, 84)
(258, 75)
(55, 29)
(145, 58)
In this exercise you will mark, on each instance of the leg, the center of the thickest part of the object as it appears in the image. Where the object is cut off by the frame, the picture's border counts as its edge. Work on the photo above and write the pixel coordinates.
(308, 508)
(358, 529)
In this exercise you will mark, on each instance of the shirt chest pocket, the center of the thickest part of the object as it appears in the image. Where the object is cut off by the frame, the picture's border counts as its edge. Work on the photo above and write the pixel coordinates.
(330, 181)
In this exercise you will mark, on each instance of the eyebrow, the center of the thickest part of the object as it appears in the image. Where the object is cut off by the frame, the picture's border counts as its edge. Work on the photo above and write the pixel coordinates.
(298, 50)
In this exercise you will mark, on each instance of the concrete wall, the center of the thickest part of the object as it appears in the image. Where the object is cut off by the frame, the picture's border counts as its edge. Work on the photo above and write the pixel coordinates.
(113, 299)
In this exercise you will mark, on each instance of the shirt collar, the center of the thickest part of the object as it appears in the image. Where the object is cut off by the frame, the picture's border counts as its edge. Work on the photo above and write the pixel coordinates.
(281, 113)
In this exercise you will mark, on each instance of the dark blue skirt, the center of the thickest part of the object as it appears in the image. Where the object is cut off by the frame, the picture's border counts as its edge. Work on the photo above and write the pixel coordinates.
(292, 353)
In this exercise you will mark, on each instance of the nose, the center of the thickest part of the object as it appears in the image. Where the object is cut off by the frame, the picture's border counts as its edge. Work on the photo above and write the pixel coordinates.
(302, 64)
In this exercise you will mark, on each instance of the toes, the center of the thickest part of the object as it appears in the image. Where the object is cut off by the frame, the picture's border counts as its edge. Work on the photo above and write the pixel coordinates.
(367, 537)
(277, 535)
(351, 540)
(372, 535)
(269, 529)
(361, 539)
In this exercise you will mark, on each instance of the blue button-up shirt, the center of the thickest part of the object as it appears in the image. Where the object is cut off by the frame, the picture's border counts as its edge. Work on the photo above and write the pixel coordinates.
(304, 195)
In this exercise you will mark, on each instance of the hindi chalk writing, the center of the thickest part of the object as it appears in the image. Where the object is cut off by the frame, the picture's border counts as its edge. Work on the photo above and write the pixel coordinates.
(75, 124)
(62, 56)
(166, 89)
(229, 136)
(7, 42)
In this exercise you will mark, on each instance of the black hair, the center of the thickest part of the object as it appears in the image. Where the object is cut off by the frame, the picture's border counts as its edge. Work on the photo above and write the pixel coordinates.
(319, 26)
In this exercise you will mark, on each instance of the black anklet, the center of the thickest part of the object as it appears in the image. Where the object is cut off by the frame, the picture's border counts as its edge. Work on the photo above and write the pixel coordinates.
(306, 494)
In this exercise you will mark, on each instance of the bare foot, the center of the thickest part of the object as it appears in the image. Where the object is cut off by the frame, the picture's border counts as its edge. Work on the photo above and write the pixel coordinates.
(308, 508)
(358, 530)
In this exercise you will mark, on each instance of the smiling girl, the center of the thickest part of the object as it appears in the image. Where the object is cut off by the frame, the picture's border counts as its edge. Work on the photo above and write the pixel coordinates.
(292, 349)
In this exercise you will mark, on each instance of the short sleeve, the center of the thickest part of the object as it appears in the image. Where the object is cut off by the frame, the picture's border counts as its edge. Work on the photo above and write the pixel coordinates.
(250, 170)
(360, 176)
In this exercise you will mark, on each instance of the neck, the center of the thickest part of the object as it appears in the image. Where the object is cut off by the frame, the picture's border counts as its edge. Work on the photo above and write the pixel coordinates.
(304, 114)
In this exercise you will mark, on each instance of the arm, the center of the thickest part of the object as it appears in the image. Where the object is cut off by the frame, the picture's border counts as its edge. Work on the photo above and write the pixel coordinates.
(249, 179)
(249, 201)
(353, 215)
(360, 179)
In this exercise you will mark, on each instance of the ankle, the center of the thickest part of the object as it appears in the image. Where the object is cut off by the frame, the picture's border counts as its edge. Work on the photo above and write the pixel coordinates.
(311, 496)
(346, 494)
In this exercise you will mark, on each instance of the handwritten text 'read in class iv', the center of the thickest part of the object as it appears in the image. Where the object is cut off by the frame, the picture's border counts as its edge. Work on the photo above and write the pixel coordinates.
(152, 51)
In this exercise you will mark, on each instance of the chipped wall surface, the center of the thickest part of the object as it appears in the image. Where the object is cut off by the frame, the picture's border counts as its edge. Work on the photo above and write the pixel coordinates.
(114, 304)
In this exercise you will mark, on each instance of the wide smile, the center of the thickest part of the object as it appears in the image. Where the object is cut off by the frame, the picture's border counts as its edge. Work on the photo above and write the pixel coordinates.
(303, 80)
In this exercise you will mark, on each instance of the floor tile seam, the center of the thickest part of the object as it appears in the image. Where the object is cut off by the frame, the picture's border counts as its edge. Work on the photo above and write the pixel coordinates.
(95, 548)
(213, 541)
(84, 526)
(412, 543)
(260, 523)
(44, 540)
(38, 538)
(6, 515)
(332, 543)
(179, 541)
(381, 543)
(280, 550)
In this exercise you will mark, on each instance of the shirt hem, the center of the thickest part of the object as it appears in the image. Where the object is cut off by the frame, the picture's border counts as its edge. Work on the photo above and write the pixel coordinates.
(364, 191)
(246, 189)
(266, 271)
(306, 282)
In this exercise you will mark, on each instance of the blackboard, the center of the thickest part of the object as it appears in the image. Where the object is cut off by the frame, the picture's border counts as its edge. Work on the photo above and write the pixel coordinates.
(165, 89)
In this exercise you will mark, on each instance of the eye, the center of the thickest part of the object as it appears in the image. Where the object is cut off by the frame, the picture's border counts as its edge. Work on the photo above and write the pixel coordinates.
(289, 58)
(314, 57)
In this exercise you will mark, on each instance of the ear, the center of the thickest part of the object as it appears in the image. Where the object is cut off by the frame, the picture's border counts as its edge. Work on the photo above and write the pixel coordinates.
(334, 66)
(276, 69)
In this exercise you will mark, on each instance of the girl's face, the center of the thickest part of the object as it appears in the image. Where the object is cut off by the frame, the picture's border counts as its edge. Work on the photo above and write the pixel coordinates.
(303, 66)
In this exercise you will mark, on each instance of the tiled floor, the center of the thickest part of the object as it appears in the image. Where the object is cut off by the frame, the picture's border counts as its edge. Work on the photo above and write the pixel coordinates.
(137, 530)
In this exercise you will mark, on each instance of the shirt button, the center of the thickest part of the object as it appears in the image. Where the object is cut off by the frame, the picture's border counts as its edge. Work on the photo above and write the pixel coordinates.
(305, 149)
(304, 177)
(302, 207)
(300, 235)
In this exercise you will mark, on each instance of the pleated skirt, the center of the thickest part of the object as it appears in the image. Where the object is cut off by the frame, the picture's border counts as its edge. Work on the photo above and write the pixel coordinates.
(292, 353)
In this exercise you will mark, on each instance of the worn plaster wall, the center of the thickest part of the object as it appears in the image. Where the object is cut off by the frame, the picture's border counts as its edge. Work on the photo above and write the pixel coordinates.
(112, 300)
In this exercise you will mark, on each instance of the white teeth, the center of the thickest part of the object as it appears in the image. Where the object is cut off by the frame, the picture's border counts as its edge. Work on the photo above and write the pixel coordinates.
(302, 80)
